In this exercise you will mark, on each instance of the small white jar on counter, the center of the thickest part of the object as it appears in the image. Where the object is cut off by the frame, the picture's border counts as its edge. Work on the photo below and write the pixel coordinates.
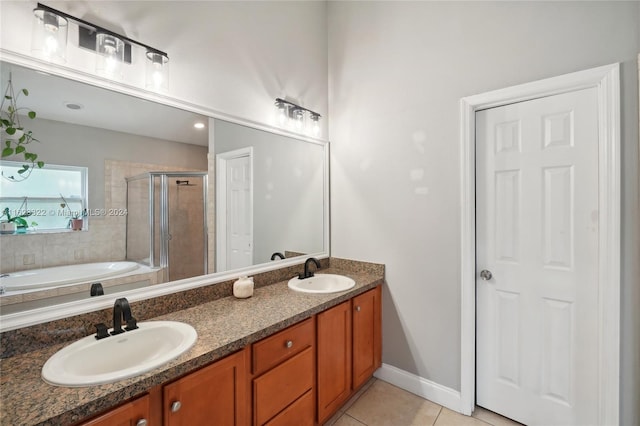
(243, 287)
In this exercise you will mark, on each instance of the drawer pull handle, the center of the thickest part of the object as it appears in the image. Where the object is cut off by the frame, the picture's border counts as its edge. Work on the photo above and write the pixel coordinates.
(142, 422)
(289, 344)
(357, 308)
(175, 407)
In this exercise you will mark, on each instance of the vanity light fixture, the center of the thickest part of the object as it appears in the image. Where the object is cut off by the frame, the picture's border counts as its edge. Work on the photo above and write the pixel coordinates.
(49, 35)
(294, 116)
(112, 50)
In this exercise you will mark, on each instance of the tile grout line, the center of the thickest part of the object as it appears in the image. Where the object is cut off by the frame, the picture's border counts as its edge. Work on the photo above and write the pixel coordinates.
(438, 416)
(345, 414)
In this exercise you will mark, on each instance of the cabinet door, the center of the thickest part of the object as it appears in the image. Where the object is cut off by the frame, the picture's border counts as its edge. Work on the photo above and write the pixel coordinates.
(334, 359)
(213, 395)
(134, 413)
(367, 340)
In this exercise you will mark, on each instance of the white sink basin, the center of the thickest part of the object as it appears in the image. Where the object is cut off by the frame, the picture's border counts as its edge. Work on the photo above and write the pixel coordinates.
(94, 362)
(322, 283)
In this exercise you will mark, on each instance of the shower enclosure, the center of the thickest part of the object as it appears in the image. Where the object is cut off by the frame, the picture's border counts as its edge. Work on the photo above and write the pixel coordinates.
(167, 222)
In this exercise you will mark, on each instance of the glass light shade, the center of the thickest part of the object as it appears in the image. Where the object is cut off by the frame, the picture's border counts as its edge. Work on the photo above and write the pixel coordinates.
(314, 125)
(110, 56)
(281, 113)
(157, 73)
(49, 36)
(297, 119)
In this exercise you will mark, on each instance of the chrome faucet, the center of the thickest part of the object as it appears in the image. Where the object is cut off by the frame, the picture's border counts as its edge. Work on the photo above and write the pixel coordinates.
(307, 273)
(122, 311)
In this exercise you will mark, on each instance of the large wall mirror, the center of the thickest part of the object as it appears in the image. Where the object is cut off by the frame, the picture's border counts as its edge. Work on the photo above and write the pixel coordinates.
(170, 195)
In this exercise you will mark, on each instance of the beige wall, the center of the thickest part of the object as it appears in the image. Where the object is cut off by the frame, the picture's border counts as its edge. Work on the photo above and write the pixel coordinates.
(397, 71)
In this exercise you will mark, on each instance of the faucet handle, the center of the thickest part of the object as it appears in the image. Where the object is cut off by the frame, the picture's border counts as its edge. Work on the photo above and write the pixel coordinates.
(132, 324)
(101, 331)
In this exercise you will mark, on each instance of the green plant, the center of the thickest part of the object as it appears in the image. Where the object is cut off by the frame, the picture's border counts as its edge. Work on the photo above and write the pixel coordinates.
(18, 220)
(15, 138)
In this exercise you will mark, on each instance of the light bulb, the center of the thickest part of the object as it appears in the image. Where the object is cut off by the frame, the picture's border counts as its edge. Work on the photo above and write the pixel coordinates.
(110, 63)
(157, 78)
(51, 46)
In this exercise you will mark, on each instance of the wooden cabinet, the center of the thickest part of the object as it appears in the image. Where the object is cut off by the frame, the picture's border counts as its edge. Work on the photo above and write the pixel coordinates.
(133, 413)
(284, 377)
(333, 359)
(349, 349)
(367, 335)
(301, 374)
(213, 395)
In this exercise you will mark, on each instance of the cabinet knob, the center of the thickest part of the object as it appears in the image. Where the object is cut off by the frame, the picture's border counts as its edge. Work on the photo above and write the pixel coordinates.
(142, 422)
(357, 308)
(289, 343)
(175, 406)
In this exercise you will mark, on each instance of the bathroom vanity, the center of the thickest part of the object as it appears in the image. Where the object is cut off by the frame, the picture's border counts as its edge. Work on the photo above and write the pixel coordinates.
(279, 357)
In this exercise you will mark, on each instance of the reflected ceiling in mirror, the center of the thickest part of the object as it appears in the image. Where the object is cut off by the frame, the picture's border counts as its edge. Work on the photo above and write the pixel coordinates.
(119, 136)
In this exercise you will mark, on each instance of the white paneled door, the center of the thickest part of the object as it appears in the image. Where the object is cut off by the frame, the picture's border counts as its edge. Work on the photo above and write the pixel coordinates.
(537, 259)
(239, 213)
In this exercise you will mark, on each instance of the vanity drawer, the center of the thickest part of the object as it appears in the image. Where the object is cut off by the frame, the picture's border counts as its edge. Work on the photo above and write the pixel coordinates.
(300, 413)
(278, 388)
(271, 351)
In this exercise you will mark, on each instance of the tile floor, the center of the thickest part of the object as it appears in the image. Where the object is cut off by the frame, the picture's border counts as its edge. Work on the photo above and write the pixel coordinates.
(379, 403)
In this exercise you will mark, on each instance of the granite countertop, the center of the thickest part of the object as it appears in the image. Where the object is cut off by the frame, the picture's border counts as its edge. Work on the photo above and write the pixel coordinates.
(224, 326)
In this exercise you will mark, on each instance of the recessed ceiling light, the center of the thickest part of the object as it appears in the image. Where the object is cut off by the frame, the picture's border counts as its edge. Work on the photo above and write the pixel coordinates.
(199, 125)
(73, 105)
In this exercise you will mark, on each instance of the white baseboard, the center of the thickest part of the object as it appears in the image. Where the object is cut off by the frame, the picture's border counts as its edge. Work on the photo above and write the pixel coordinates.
(427, 389)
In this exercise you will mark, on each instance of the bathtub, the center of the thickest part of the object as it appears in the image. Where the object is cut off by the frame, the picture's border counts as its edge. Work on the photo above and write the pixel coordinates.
(64, 275)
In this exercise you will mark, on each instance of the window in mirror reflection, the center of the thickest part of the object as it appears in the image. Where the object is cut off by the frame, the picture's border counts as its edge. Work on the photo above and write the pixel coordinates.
(52, 198)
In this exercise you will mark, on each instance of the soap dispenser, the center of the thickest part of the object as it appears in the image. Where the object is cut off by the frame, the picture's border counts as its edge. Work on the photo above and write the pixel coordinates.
(243, 287)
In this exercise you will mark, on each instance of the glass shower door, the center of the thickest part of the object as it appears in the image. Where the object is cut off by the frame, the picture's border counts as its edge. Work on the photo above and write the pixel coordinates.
(186, 223)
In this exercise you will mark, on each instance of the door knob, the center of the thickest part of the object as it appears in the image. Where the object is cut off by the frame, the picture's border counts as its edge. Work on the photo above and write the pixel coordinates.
(486, 275)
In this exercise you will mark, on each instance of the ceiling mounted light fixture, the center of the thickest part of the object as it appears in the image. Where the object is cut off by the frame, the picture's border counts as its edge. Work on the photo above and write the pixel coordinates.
(297, 118)
(112, 49)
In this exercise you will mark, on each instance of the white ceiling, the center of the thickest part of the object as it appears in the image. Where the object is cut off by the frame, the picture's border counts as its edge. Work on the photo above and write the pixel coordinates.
(49, 95)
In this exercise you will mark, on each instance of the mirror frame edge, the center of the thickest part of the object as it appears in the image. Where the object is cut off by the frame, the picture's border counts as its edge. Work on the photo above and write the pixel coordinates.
(50, 313)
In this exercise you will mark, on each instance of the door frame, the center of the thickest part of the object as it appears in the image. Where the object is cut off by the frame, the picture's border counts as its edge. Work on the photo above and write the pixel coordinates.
(221, 200)
(607, 81)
